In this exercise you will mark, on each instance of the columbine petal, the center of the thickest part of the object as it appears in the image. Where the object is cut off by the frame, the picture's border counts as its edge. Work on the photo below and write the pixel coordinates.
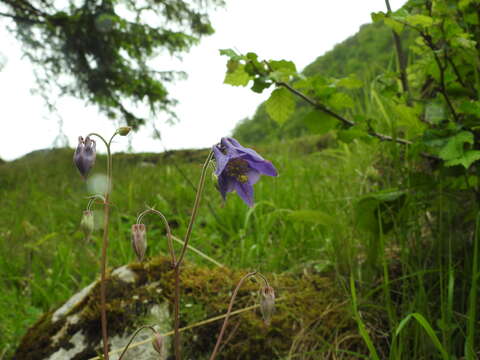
(221, 160)
(245, 191)
(264, 167)
(253, 176)
(226, 184)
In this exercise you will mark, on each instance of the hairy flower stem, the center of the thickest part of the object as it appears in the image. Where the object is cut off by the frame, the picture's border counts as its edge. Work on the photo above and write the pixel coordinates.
(103, 265)
(196, 205)
(230, 306)
(167, 227)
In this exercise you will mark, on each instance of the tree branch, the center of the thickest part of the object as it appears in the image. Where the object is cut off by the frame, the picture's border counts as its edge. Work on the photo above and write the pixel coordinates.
(441, 69)
(402, 60)
(21, 19)
(347, 122)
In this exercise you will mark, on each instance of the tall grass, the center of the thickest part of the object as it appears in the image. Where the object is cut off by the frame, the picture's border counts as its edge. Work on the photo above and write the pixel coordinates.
(412, 279)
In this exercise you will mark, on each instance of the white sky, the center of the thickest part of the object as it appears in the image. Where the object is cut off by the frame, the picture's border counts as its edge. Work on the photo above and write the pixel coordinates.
(297, 30)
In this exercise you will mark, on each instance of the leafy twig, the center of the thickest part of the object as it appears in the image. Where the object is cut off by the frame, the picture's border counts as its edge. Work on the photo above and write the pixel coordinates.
(402, 61)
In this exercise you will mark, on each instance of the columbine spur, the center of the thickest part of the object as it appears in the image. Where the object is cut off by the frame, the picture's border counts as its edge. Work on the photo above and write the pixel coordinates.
(84, 157)
(238, 168)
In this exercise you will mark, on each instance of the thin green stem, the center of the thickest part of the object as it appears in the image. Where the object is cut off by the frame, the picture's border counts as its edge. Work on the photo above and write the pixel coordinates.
(230, 306)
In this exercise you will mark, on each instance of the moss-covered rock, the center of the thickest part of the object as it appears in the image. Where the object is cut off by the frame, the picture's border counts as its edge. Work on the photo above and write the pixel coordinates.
(312, 318)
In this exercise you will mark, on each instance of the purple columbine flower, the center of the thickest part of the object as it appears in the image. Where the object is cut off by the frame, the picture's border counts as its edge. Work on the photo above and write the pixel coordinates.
(84, 156)
(238, 168)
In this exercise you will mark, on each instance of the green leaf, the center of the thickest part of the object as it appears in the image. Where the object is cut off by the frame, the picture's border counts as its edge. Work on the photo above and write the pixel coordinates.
(231, 54)
(350, 82)
(463, 4)
(368, 206)
(282, 70)
(378, 16)
(232, 65)
(467, 159)
(394, 25)
(340, 101)
(435, 112)
(284, 66)
(238, 77)
(347, 136)
(418, 19)
(280, 105)
(261, 83)
(312, 216)
(453, 149)
(319, 122)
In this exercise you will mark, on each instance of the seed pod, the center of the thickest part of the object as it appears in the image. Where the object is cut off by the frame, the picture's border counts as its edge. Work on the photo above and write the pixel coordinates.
(87, 224)
(157, 343)
(139, 240)
(123, 130)
(267, 303)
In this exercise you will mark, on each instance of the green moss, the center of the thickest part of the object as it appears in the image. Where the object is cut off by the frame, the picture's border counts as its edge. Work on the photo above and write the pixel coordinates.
(310, 311)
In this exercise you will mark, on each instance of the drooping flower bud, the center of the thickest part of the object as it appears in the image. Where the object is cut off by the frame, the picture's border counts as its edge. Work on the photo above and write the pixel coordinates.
(123, 130)
(84, 157)
(267, 303)
(87, 224)
(157, 343)
(139, 240)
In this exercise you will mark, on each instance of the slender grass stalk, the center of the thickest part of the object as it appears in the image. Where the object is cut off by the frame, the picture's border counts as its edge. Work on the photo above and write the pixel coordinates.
(428, 329)
(472, 299)
(361, 326)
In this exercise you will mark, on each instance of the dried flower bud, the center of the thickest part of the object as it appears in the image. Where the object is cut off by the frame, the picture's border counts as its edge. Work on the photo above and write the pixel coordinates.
(87, 223)
(84, 157)
(267, 303)
(123, 130)
(139, 240)
(157, 343)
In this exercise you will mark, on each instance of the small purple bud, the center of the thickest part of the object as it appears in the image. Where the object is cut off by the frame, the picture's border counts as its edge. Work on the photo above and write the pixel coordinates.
(267, 303)
(123, 130)
(84, 157)
(87, 224)
(157, 343)
(139, 240)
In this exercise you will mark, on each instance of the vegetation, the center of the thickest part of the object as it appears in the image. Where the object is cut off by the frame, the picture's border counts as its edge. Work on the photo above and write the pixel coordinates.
(366, 54)
(384, 198)
(101, 50)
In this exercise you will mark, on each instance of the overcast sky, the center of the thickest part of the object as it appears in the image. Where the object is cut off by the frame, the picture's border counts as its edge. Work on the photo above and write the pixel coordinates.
(299, 30)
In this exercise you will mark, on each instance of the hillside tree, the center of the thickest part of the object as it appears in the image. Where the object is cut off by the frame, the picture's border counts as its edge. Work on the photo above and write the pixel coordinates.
(101, 51)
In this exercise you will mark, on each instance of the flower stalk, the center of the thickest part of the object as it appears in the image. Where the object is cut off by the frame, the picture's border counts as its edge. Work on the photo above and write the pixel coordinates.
(84, 159)
(230, 306)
